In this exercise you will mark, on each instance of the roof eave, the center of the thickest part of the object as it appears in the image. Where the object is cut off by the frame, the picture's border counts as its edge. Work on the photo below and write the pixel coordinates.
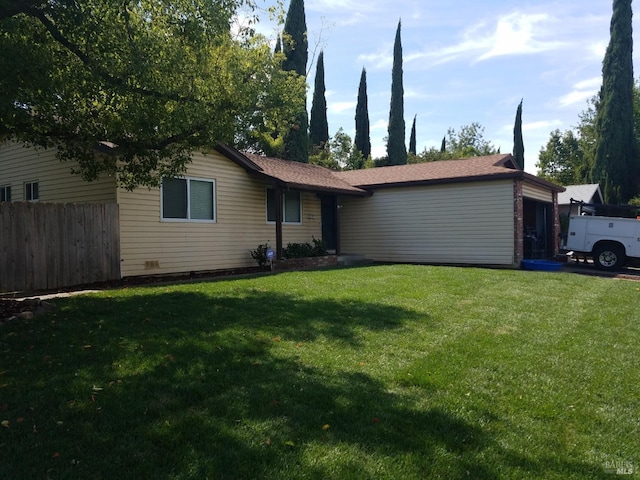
(440, 181)
(543, 183)
(317, 189)
(238, 157)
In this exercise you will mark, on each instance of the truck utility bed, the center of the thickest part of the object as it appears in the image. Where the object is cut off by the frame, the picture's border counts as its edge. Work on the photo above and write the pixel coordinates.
(612, 241)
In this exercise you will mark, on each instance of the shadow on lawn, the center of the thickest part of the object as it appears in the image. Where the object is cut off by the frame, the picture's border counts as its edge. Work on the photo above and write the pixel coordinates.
(184, 385)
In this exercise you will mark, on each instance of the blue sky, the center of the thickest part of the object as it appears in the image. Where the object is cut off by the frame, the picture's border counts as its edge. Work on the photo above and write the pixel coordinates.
(464, 61)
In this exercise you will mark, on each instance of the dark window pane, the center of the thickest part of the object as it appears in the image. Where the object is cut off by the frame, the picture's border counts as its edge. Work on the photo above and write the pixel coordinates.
(292, 207)
(271, 205)
(174, 198)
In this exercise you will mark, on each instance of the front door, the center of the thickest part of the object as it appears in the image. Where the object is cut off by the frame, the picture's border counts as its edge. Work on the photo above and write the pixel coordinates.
(329, 212)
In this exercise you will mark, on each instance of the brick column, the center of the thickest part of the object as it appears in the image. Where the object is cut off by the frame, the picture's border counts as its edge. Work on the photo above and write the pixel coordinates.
(518, 222)
(556, 225)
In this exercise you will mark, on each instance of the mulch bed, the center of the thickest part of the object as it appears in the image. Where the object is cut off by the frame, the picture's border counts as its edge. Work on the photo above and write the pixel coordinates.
(9, 308)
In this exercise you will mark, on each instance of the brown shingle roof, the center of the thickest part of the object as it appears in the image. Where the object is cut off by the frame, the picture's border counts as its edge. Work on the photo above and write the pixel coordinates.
(287, 174)
(303, 176)
(433, 172)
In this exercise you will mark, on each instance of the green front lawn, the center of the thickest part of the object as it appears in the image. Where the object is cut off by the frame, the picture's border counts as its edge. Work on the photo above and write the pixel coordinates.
(398, 372)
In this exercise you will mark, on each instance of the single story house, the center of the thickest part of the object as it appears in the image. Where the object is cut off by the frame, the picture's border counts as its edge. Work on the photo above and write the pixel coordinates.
(587, 193)
(473, 211)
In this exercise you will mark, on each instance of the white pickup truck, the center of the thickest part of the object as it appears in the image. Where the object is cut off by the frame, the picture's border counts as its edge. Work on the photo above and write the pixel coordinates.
(612, 241)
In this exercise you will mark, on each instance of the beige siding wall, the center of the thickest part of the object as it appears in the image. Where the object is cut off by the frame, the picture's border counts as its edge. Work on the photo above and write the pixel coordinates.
(56, 183)
(471, 223)
(151, 246)
(535, 192)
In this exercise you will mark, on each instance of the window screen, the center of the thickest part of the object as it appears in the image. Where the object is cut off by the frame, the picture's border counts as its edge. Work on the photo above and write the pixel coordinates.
(188, 199)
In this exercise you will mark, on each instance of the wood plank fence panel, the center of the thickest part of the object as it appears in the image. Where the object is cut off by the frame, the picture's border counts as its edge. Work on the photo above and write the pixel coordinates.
(49, 246)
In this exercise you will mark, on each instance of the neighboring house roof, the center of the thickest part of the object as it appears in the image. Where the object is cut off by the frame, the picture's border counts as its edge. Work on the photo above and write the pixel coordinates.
(287, 174)
(489, 167)
(588, 193)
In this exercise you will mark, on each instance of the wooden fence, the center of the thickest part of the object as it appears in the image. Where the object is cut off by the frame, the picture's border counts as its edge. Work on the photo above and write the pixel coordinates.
(46, 246)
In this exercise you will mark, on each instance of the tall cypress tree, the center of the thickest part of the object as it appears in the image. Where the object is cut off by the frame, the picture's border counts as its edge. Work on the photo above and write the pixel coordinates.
(396, 148)
(518, 142)
(443, 146)
(412, 137)
(318, 125)
(616, 157)
(295, 49)
(363, 139)
(278, 47)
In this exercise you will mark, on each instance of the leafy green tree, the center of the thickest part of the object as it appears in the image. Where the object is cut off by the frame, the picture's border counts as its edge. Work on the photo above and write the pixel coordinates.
(396, 148)
(151, 80)
(568, 157)
(295, 49)
(363, 139)
(562, 160)
(469, 141)
(318, 125)
(412, 137)
(616, 152)
(431, 154)
(518, 142)
(340, 154)
(341, 147)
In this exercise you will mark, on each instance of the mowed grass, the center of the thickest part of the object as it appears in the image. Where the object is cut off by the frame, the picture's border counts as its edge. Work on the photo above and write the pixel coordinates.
(397, 372)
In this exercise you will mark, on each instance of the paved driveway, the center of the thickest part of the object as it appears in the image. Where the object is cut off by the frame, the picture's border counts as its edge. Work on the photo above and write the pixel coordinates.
(629, 273)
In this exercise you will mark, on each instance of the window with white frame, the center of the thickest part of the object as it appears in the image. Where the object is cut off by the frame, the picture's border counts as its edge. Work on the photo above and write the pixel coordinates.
(31, 192)
(291, 206)
(188, 199)
(5, 193)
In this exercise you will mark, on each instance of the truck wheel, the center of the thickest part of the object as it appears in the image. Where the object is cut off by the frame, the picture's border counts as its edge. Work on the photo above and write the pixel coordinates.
(609, 257)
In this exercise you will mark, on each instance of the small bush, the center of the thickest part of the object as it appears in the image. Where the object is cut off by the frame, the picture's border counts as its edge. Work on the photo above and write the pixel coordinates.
(319, 248)
(304, 250)
(260, 254)
(298, 250)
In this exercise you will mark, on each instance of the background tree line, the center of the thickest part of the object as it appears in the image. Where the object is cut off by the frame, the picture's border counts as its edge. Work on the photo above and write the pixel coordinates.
(154, 81)
(569, 155)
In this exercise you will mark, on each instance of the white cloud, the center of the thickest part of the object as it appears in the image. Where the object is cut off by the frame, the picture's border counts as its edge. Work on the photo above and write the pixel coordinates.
(547, 125)
(340, 107)
(343, 6)
(518, 34)
(411, 93)
(513, 34)
(599, 49)
(379, 60)
(378, 151)
(379, 125)
(581, 92)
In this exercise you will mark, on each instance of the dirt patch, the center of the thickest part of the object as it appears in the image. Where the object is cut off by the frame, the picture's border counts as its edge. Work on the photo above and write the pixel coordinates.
(27, 309)
(10, 308)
